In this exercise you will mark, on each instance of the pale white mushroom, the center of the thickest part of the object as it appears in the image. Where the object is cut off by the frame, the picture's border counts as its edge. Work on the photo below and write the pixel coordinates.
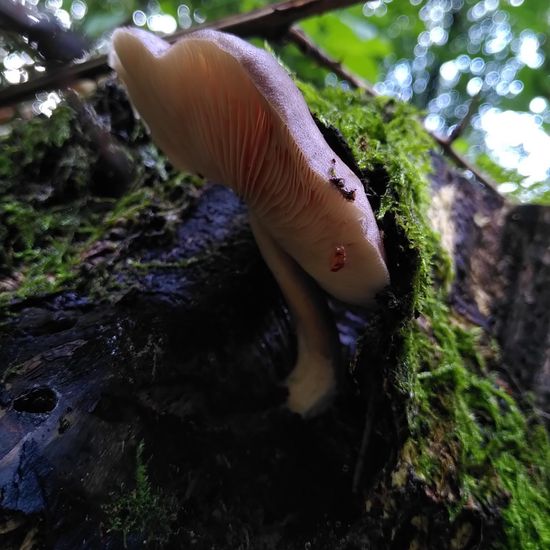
(219, 107)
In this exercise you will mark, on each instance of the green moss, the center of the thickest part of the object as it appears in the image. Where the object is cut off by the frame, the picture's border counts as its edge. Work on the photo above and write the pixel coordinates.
(49, 217)
(142, 511)
(463, 425)
(30, 142)
(36, 246)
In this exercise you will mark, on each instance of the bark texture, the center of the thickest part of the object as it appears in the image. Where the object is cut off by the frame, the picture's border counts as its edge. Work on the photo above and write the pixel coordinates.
(502, 267)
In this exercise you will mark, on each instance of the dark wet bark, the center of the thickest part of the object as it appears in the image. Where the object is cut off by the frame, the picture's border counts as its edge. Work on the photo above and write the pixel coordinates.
(523, 314)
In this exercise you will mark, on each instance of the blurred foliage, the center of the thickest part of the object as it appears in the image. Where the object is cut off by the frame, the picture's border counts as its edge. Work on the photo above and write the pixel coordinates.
(436, 54)
(52, 221)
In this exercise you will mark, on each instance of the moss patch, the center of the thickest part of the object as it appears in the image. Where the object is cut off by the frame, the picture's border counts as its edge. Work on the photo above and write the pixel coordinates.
(52, 222)
(142, 511)
(466, 431)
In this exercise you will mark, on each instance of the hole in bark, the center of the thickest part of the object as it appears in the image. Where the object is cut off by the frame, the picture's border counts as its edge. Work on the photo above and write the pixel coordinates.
(36, 401)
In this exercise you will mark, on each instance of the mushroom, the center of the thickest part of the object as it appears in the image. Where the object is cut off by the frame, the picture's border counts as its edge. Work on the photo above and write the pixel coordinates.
(220, 107)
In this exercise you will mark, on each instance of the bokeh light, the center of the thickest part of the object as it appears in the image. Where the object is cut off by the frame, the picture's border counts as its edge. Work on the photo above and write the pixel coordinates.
(452, 51)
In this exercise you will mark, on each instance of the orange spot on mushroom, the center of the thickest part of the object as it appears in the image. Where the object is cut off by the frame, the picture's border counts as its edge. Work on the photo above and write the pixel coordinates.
(338, 260)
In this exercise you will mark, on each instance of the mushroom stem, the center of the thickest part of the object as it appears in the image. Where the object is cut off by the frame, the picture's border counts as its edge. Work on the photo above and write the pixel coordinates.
(313, 379)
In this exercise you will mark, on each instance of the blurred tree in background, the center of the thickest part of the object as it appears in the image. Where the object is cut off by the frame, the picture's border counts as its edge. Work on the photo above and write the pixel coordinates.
(436, 54)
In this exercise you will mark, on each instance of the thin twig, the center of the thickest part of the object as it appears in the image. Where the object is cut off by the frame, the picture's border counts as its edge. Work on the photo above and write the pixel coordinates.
(461, 161)
(465, 122)
(310, 48)
(271, 22)
(54, 79)
(46, 35)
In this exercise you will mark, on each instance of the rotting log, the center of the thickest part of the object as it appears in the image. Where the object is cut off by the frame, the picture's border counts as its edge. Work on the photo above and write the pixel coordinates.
(188, 353)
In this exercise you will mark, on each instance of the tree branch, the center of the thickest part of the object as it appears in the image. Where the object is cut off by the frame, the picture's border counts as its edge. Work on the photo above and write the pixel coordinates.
(464, 163)
(44, 33)
(465, 122)
(270, 22)
(273, 21)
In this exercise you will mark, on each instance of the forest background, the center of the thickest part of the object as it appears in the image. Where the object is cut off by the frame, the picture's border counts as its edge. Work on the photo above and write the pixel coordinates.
(485, 60)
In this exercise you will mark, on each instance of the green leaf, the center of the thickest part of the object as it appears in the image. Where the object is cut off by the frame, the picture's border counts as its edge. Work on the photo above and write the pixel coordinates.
(99, 23)
(350, 40)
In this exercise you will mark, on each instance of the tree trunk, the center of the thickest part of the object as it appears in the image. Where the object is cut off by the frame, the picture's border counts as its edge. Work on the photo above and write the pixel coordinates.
(501, 257)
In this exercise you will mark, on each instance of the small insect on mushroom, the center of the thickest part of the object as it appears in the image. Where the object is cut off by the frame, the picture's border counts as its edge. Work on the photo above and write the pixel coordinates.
(337, 182)
(349, 195)
(332, 169)
(338, 260)
(220, 107)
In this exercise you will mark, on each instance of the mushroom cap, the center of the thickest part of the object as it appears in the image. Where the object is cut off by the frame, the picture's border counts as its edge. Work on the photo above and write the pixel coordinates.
(220, 107)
